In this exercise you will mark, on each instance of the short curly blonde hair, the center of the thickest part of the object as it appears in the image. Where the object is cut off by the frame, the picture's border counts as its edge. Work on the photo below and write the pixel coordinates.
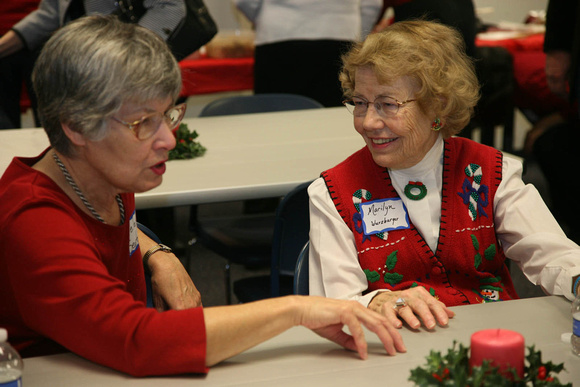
(433, 56)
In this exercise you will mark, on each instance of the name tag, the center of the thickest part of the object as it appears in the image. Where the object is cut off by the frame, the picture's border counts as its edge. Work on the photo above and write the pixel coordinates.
(383, 215)
(133, 235)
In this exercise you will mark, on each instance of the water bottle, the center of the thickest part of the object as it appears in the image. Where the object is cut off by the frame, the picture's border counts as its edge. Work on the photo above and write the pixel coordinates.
(10, 363)
(575, 340)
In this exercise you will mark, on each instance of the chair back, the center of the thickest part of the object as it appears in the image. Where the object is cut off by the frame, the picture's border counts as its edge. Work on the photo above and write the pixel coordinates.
(145, 230)
(291, 229)
(258, 103)
(301, 285)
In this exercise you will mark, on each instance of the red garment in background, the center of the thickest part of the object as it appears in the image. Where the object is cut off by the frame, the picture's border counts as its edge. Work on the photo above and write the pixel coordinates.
(12, 11)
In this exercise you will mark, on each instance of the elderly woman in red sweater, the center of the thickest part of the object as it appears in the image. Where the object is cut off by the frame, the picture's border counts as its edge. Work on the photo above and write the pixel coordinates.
(70, 252)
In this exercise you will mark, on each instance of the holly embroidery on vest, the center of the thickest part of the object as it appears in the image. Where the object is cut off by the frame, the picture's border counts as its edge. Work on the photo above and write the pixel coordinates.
(474, 194)
(372, 276)
(392, 278)
(431, 290)
(488, 254)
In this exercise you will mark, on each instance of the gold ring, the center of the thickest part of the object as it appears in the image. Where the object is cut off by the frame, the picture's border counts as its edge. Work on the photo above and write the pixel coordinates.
(400, 303)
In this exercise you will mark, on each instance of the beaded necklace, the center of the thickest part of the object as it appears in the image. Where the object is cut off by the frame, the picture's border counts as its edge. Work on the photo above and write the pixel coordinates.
(78, 191)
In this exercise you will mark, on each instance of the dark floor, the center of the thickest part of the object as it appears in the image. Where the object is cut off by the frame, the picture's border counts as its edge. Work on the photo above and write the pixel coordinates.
(207, 268)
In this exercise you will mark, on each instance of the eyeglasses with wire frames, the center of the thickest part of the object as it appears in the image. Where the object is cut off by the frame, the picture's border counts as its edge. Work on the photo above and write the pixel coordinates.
(384, 105)
(148, 125)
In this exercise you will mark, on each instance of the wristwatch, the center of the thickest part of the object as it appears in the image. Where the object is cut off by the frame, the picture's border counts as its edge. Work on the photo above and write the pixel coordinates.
(576, 285)
(150, 252)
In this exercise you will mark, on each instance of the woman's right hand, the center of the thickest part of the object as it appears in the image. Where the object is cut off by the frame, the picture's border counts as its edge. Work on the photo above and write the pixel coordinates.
(419, 306)
(327, 316)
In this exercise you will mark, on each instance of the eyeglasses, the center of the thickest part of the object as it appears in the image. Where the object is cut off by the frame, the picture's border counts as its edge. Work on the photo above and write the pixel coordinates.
(385, 106)
(148, 125)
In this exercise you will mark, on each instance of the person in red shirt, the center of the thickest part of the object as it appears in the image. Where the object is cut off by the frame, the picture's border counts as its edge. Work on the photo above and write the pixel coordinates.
(71, 271)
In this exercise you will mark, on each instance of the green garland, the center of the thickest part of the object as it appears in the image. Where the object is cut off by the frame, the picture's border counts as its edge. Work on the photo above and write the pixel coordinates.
(453, 370)
(186, 147)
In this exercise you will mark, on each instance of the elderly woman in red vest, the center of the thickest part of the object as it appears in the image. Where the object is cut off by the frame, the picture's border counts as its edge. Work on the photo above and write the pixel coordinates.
(419, 220)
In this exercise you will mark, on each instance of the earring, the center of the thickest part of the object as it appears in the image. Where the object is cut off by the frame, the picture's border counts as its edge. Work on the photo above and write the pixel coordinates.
(436, 125)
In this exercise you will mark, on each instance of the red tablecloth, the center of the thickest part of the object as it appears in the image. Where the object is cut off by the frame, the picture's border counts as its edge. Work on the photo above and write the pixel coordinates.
(204, 76)
(210, 75)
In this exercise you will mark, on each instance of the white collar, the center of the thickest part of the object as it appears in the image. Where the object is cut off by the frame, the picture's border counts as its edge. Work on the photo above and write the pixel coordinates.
(429, 162)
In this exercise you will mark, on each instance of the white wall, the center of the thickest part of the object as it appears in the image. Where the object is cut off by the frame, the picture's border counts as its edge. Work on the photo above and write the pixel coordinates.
(495, 11)
(223, 13)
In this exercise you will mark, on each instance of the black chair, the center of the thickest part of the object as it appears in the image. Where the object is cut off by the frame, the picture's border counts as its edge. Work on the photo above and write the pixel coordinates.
(291, 228)
(258, 103)
(244, 238)
(301, 284)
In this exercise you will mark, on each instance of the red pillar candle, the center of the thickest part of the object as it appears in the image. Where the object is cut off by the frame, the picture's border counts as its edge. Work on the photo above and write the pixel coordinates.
(504, 348)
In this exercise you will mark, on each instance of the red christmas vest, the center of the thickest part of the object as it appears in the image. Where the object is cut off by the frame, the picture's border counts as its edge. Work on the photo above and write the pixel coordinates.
(468, 265)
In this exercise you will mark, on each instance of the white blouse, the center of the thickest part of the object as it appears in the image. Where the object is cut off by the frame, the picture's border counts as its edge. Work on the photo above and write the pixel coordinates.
(281, 20)
(526, 230)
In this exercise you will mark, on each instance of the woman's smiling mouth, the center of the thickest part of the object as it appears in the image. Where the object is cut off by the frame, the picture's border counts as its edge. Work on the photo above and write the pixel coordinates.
(381, 141)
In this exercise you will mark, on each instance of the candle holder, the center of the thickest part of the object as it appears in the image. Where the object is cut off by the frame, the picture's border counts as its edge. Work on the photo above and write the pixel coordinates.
(454, 369)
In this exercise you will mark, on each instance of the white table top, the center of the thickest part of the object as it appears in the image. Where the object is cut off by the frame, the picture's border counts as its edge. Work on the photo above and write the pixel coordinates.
(298, 357)
(248, 156)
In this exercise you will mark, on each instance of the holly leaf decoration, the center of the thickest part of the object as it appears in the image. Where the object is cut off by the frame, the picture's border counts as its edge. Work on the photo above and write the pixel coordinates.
(393, 278)
(475, 242)
(452, 369)
(186, 147)
(392, 260)
(372, 276)
(477, 260)
(489, 253)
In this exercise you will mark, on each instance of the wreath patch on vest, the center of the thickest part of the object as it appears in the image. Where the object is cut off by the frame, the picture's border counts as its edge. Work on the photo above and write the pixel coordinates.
(475, 194)
(358, 197)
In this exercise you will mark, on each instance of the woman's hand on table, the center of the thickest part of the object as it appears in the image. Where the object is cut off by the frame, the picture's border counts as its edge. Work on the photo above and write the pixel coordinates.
(171, 284)
(419, 306)
(327, 317)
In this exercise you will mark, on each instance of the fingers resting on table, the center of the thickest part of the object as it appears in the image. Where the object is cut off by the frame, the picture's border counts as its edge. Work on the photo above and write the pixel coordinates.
(415, 306)
(327, 317)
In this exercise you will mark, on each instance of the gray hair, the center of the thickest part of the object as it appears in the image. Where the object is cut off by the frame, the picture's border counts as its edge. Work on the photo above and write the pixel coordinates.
(93, 65)
(431, 54)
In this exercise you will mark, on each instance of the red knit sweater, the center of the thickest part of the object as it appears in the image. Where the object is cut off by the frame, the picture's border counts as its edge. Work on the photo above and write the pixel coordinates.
(68, 280)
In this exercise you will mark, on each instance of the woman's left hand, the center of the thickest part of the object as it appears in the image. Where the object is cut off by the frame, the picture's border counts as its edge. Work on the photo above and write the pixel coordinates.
(415, 305)
(172, 285)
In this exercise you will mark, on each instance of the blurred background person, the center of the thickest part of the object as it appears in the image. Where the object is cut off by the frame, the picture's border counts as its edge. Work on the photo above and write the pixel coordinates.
(553, 138)
(299, 43)
(17, 69)
(20, 45)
